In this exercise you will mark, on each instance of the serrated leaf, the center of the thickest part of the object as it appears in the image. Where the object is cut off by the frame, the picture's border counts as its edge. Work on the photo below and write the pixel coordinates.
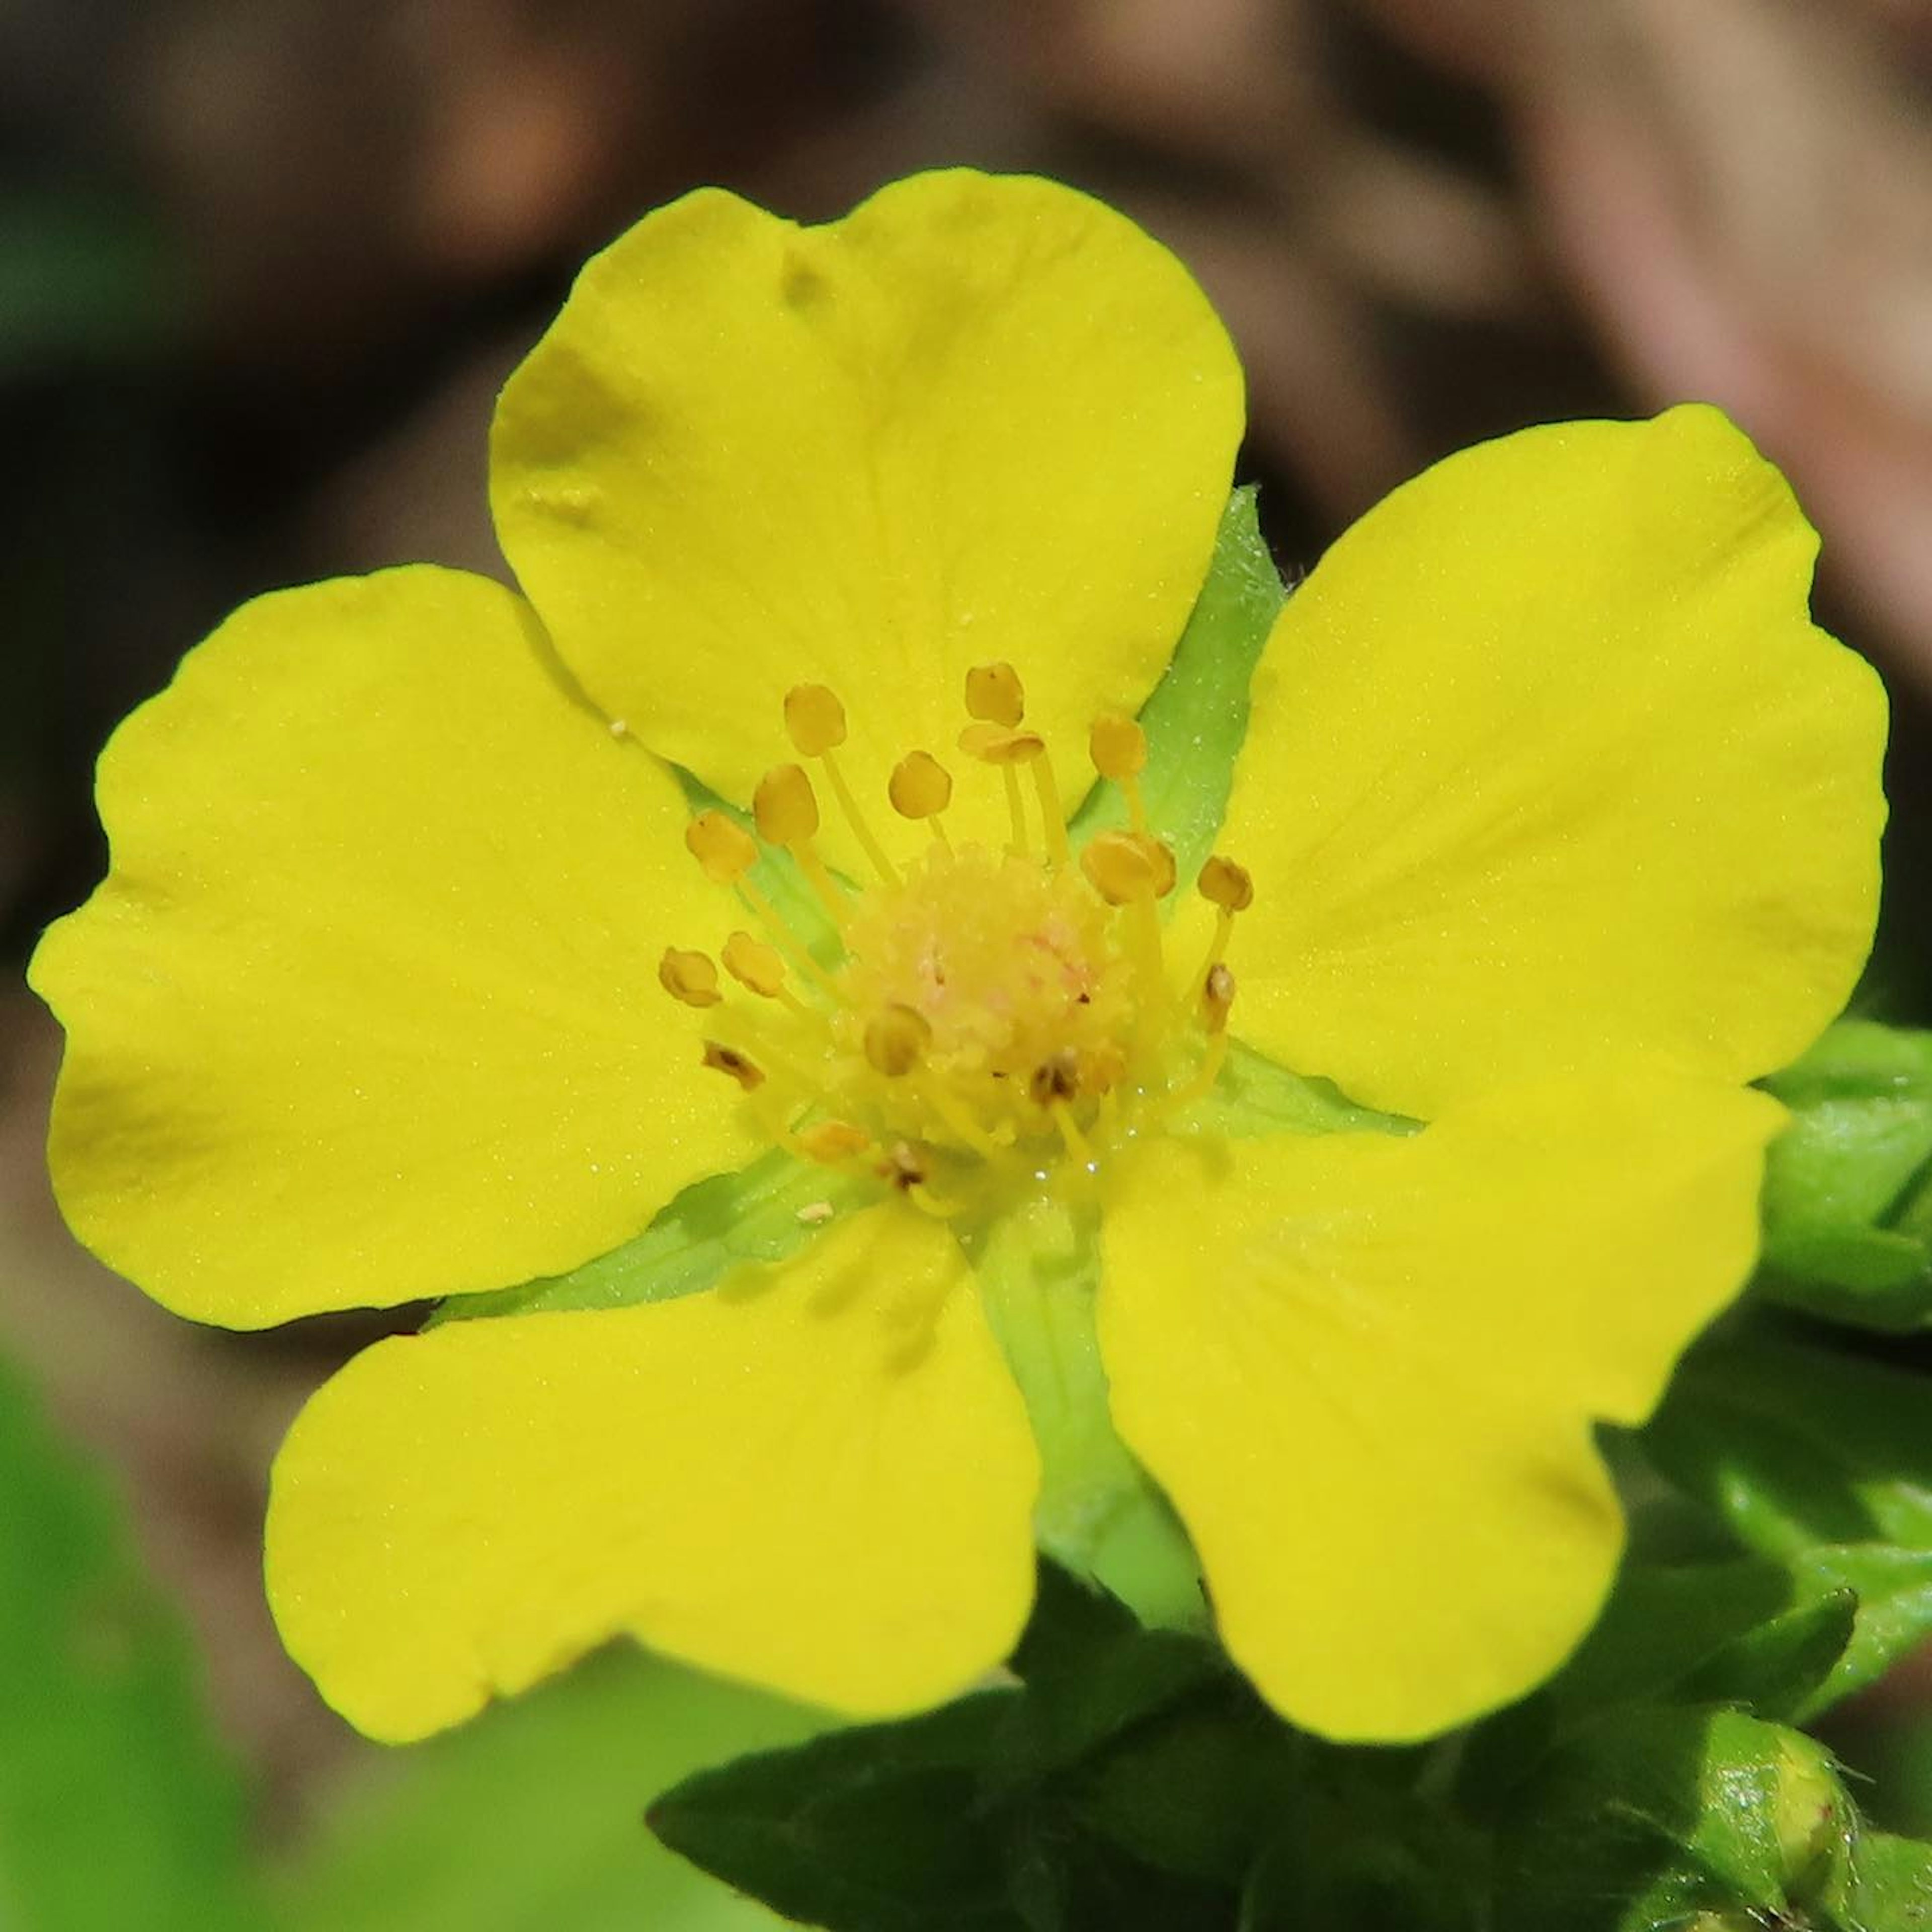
(531, 1816)
(1794, 1445)
(1892, 1588)
(1199, 1792)
(882, 1828)
(116, 1807)
(1092, 1672)
(1197, 716)
(713, 1226)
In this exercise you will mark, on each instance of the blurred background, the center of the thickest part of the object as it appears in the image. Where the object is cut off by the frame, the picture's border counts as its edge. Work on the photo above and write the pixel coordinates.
(264, 263)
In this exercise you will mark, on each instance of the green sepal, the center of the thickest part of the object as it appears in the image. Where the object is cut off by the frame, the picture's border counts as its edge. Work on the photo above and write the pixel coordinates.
(1038, 1270)
(1255, 1097)
(1847, 1218)
(1197, 716)
(117, 1806)
(1648, 1818)
(714, 1225)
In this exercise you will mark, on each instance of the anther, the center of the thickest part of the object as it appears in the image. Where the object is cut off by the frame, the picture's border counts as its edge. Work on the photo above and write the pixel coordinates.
(757, 966)
(920, 786)
(1117, 746)
(785, 809)
(896, 1040)
(1217, 996)
(722, 1059)
(993, 692)
(1056, 1078)
(829, 1142)
(725, 850)
(1123, 866)
(815, 720)
(904, 1165)
(1119, 749)
(1226, 884)
(689, 977)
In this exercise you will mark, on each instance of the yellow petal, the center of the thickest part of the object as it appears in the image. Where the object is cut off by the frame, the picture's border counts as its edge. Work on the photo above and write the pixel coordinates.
(1548, 763)
(1365, 1369)
(979, 418)
(366, 1008)
(817, 1477)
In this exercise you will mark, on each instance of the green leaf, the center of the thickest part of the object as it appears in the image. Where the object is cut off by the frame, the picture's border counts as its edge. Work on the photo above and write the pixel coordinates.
(1793, 1444)
(532, 1815)
(1091, 1673)
(714, 1226)
(116, 1807)
(1014, 1810)
(1650, 1817)
(883, 1828)
(1197, 716)
(1745, 1631)
(1845, 1200)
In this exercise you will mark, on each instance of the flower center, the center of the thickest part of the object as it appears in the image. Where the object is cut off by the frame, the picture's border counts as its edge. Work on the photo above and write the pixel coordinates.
(990, 1016)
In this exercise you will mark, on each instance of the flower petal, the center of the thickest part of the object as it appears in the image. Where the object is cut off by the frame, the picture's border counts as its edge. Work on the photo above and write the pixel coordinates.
(1364, 1369)
(817, 1477)
(980, 418)
(367, 1007)
(1548, 763)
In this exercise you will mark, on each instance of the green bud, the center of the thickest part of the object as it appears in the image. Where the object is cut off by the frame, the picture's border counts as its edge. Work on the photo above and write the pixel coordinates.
(1847, 1205)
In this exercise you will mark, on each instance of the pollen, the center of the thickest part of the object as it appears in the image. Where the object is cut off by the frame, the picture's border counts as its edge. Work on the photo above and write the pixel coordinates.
(977, 1017)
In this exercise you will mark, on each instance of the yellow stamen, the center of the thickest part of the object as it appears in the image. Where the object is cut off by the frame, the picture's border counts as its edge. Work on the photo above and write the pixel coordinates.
(1229, 889)
(1122, 867)
(958, 1120)
(861, 830)
(1057, 1078)
(937, 1205)
(1077, 1143)
(785, 809)
(1052, 817)
(1118, 747)
(1226, 884)
(815, 720)
(1217, 997)
(829, 1142)
(723, 1059)
(1205, 1074)
(760, 969)
(920, 786)
(722, 846)
(993, 692)
(896, 1041)
(795, 949)
(689, 977)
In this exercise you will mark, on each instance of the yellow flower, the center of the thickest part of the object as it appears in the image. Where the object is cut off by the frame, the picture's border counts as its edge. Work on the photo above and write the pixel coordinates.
(1556, 820)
